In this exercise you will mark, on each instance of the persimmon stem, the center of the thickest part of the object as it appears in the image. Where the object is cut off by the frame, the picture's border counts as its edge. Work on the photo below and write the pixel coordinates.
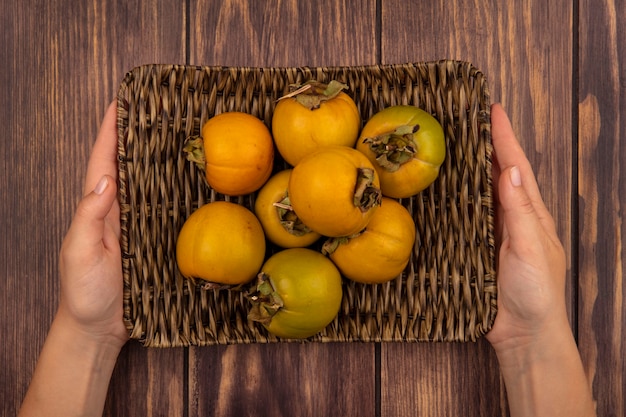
(313, 93)
(366, 194)
(296, 91)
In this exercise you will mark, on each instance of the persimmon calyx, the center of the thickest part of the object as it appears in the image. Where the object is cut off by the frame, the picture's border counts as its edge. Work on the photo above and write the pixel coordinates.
(313, 93)
(289, 219)
(333, 243)
(395, 148)
(264, 299)
(194, 150)
(366, 194)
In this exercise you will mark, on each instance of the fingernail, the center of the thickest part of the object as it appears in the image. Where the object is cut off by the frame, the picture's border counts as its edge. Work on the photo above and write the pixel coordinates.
(101, 186)
(516, 178)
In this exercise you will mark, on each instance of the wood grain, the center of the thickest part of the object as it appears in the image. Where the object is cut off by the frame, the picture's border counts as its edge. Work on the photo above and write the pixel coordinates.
(286, 379)
(441, 379)
(281, 33)
(148, 382)
(61, 62)
(32, 226)
(602, 200)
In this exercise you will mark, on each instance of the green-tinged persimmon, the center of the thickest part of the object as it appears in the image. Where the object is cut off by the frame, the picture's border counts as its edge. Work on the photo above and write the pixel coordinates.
(407, 146)
(297, 294)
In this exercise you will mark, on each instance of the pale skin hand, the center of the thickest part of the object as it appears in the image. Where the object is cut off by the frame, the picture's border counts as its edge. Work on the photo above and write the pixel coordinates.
(78, 357)
(531, 335)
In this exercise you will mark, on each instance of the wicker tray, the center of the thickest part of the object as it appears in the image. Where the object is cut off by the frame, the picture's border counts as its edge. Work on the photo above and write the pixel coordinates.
(448, 291)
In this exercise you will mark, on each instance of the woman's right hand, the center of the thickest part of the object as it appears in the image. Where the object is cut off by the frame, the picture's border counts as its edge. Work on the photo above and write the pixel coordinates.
(531, 262)
(531, 335)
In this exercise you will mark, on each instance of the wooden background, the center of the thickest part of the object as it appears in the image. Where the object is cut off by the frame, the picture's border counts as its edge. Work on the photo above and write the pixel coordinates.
(558, 67)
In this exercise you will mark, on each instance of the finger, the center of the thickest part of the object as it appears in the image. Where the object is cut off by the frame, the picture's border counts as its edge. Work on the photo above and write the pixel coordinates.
(508, 150)
(519, 217)
(88, 225)
(508, 153)
(103, 160)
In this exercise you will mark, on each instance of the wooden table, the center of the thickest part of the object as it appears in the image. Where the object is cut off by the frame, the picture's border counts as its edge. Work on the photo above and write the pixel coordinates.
(558, 67)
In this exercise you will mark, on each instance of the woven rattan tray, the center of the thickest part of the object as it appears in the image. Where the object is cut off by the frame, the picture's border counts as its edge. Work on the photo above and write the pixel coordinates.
(448, 291)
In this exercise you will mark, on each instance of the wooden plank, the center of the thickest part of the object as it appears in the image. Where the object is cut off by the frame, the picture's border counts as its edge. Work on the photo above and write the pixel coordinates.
(601, 192)
(282, 379)
(310, 379)
(440, 379)
(36, 198)
(282, 33)
(526, 56)
(62, 62)
(148, 382)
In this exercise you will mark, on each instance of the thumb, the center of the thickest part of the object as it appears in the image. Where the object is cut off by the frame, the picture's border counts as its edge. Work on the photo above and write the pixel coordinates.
(520, 218)
(89, 220)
